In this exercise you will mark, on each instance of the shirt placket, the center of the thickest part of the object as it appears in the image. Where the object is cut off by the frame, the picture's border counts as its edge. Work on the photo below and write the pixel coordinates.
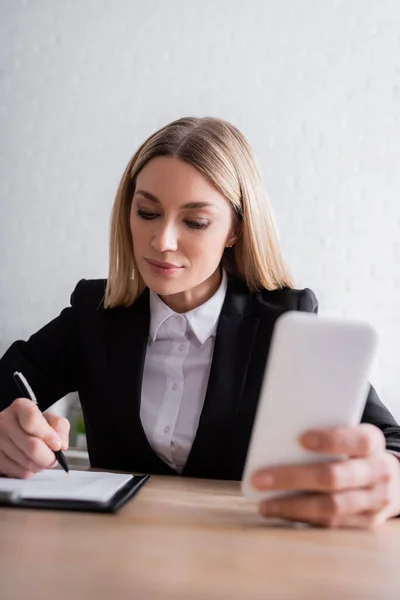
(170, 406)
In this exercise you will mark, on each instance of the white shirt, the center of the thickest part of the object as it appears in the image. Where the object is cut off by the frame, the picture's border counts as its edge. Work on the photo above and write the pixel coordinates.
(176, 372)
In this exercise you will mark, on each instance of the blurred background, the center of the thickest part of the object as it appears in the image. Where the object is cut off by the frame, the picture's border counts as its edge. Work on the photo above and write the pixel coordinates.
(314, 86)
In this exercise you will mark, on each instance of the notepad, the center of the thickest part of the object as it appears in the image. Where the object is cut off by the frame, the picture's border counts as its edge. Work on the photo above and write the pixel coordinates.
(89, 486)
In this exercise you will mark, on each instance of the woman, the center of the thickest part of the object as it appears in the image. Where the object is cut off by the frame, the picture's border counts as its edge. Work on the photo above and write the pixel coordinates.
(169, 353)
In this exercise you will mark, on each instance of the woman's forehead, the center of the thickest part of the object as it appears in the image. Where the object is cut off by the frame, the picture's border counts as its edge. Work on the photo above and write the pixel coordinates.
(167, 179)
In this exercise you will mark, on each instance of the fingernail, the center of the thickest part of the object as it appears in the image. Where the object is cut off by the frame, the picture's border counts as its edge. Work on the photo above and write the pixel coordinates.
(312, 440)
(263, 480)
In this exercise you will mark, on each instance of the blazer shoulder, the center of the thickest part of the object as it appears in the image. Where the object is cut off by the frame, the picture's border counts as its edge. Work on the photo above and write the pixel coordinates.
(288, 299)
(89, 294)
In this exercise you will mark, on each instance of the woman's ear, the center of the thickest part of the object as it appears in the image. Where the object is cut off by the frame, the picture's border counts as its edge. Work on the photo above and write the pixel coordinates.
(234, 236)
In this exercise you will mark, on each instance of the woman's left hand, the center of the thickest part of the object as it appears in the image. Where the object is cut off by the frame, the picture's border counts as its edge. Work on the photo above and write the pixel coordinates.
(362, 491)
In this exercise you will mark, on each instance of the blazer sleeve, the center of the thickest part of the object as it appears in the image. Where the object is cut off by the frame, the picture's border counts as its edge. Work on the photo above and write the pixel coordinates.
(49, 359)
(375, 412)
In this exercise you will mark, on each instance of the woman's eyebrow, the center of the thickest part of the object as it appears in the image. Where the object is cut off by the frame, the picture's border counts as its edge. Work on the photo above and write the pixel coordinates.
(154, 198)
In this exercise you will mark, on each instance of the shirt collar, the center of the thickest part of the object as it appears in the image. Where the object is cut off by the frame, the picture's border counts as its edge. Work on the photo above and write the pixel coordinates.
(203, 320)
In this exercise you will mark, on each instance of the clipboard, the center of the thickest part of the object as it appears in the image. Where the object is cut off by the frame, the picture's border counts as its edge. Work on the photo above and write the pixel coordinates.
(12, 499)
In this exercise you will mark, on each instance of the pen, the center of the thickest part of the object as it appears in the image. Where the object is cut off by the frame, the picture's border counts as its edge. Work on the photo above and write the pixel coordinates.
(27, 392)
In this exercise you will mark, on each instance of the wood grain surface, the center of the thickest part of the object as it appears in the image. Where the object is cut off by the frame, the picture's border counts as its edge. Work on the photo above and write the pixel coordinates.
(190, 539)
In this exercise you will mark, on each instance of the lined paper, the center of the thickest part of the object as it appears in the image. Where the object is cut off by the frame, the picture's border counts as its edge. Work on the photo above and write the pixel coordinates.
(57, 485)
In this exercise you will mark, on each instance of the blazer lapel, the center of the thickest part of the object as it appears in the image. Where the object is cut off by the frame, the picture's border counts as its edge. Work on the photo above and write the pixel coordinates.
(127, 334)
(236, 331)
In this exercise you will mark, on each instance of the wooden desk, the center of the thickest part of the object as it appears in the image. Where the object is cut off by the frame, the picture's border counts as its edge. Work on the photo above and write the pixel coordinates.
(190, 539)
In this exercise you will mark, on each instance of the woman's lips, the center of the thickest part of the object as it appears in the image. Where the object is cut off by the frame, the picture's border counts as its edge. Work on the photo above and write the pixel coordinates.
(162, 268)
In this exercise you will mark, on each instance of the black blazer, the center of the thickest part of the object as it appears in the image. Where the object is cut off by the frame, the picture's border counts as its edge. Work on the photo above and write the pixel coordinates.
(100, 353)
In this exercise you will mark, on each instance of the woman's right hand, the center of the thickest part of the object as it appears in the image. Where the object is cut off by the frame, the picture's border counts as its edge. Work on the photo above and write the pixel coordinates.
(28, 439)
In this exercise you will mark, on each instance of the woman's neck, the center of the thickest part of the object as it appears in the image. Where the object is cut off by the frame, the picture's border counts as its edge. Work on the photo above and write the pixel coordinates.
(189, 299)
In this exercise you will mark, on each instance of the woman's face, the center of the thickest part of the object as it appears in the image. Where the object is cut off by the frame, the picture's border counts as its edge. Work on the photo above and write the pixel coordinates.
(180, 226)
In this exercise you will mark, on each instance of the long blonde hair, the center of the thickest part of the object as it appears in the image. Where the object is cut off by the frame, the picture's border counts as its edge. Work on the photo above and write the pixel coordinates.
(220, 153)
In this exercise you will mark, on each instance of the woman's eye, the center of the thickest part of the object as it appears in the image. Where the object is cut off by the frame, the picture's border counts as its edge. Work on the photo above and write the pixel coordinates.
(197, 224)
(148, 216)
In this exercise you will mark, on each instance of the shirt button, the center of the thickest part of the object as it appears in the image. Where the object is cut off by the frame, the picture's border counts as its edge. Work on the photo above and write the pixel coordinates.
(175, 386)
(167, 429)
(181, 347)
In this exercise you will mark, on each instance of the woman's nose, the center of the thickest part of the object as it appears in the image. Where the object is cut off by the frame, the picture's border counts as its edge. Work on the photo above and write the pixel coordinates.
(165, 238)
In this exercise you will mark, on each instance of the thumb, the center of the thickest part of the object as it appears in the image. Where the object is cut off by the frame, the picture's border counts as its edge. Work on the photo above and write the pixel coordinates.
(61, 425)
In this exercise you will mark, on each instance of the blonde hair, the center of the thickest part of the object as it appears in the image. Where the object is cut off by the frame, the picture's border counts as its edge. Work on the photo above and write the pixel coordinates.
(220, 153)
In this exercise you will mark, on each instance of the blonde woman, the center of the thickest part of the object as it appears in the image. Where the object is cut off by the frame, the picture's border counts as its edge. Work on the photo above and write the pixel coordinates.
(169, 352)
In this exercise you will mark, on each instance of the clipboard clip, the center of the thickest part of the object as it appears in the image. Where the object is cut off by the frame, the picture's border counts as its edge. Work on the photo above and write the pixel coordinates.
(9, 496)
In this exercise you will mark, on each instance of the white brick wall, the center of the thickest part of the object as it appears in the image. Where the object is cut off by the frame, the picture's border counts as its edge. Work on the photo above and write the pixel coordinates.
(315, 87)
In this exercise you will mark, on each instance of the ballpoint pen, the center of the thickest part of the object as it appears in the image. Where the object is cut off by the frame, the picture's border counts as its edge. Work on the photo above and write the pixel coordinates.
(27, 392)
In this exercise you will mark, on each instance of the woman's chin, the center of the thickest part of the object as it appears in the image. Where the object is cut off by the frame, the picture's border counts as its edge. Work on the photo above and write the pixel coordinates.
(163, 287)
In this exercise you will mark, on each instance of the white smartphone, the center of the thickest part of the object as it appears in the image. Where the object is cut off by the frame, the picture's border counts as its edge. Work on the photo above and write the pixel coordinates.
(316, 376)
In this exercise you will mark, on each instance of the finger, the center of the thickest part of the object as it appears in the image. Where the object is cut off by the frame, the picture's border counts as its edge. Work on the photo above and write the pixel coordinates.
(32, 447)
(362, 440)
(61, 426)
(367, 520)
(33, 422)
(331, 510)
(12, 469)
(12, 451)
(327, 477)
